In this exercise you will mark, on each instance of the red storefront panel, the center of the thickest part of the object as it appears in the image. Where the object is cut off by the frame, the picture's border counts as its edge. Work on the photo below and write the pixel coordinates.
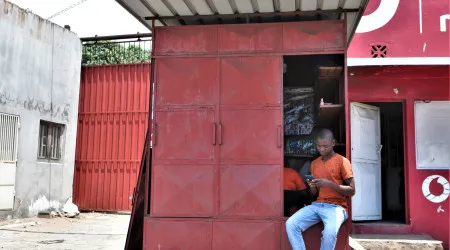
(243, 235)
(413, 83)
(250, 38)
(251, 80)
(113, 116)
(186, 40)
(251, 136)
(187, 81)
(184, 135)
(183, 191)
(166, 234)
(314, 36)
(250, 191)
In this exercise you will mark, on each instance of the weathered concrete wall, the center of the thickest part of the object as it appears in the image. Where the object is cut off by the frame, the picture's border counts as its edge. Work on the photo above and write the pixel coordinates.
(40, 65)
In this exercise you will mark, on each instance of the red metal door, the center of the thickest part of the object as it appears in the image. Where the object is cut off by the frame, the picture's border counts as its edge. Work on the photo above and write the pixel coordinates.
(113, 117)
(184, 148)
(250, 137)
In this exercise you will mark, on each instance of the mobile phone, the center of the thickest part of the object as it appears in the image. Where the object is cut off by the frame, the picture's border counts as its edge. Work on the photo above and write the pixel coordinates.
(309, 177)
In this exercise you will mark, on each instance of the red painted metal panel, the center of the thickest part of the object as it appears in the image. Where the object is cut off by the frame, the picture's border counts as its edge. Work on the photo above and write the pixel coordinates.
(187, 81)
(251, 136)
(314, 36)
(172, 234)
(186, 40)
(113, 112)
(251, 80)
(313, 235)
(240, 235)
(250, 191)
(250, 38)
(184, 135)
(183, 191)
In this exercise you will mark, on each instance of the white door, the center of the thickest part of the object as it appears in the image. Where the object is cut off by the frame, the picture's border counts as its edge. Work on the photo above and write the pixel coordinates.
(366, 161)
(9, 131)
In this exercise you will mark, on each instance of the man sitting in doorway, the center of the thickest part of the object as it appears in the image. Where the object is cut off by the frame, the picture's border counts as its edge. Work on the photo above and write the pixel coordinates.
(295, 190)
(334, 181)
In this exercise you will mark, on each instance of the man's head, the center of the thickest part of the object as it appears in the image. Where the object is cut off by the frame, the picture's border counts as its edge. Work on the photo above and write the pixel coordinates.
(325, 142)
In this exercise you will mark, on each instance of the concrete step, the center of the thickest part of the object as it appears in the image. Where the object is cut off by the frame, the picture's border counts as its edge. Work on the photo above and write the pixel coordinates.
(388, 242)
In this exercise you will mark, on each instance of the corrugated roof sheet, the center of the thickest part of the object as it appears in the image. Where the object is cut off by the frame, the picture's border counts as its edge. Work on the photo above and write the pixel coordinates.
(199, 12)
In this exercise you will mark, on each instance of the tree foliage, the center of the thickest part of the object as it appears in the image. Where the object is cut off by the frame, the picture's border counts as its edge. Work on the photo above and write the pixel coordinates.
(114, 53)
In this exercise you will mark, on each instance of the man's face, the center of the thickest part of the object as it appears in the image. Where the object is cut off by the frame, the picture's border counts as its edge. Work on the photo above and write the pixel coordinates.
(325, 146)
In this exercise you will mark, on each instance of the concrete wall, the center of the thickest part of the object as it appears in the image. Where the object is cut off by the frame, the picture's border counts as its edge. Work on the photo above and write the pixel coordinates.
(40, 65)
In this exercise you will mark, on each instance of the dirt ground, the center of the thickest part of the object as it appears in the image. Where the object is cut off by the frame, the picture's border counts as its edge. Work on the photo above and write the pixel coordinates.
(87, 231)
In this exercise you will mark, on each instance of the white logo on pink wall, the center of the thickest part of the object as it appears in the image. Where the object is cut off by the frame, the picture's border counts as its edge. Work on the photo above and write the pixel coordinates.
(380, 17)
(432, 197)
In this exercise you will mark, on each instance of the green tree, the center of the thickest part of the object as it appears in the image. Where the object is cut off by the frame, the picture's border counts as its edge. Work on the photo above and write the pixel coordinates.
(114, 53)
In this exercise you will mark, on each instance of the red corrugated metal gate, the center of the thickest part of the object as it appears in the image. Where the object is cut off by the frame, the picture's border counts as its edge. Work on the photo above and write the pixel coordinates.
(113, 118)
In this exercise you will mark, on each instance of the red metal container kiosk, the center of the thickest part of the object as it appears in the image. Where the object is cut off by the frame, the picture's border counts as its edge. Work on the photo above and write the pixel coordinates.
(215, 176)
(215, 183)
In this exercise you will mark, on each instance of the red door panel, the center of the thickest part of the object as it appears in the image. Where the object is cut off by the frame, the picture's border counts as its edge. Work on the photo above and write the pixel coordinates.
(313, 36)
(186, 81)
(184, 135)
(186, 40)
(251, 80)
(251, 136)
(183, 191)
(250, 191)
(250, 38)
(166, 234)
(245, 235)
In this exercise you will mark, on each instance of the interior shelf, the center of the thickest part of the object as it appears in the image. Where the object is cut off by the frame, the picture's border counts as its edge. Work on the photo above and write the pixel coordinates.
(328, 115)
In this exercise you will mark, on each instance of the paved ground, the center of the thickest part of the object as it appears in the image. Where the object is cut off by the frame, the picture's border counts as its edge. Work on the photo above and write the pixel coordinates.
(88, 231)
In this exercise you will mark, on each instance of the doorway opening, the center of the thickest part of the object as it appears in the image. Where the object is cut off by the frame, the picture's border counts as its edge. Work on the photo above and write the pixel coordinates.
(313, 99)
(392, 209)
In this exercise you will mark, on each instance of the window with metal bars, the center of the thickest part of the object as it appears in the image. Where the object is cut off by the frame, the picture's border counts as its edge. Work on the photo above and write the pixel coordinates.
(50, 141)
(9, 132)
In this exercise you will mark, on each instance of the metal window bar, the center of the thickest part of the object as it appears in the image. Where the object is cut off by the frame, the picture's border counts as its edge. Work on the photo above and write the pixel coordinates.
(117, 50)
(43, 140)
(50, 136)
(9, 132)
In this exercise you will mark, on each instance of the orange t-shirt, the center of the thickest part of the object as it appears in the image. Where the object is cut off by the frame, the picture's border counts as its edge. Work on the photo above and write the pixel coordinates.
(292, 180)
(336, 169)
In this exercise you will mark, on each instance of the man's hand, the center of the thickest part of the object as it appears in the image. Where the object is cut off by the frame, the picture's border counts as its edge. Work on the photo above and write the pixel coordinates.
(321, 183)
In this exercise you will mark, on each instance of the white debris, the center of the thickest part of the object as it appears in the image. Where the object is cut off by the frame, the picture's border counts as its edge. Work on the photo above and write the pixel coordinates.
(69, 209)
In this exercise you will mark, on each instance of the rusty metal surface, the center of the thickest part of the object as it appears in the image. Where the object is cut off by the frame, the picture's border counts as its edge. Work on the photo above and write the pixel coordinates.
(250, 191)
(249, 38)
(170, 234)
(240, 235)
(314, 36)
(176, 40)
(183, 190)
(281, 38)
(113, 117)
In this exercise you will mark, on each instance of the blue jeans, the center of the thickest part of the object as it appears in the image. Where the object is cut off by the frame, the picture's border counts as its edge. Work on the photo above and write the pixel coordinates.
(332, 217)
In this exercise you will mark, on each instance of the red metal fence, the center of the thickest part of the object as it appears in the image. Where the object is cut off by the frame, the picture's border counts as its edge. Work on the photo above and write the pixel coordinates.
(113, 119)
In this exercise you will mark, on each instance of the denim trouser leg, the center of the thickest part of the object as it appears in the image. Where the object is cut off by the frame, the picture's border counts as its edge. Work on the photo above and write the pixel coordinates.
(332, 216)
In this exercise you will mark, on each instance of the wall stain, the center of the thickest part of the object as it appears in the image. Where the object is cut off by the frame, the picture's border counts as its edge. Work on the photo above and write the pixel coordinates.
(61, 111)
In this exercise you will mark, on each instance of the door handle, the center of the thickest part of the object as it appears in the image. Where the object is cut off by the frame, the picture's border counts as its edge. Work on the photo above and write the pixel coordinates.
(154, 134)
(214, 133)
(279, 137)
(219, 136)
